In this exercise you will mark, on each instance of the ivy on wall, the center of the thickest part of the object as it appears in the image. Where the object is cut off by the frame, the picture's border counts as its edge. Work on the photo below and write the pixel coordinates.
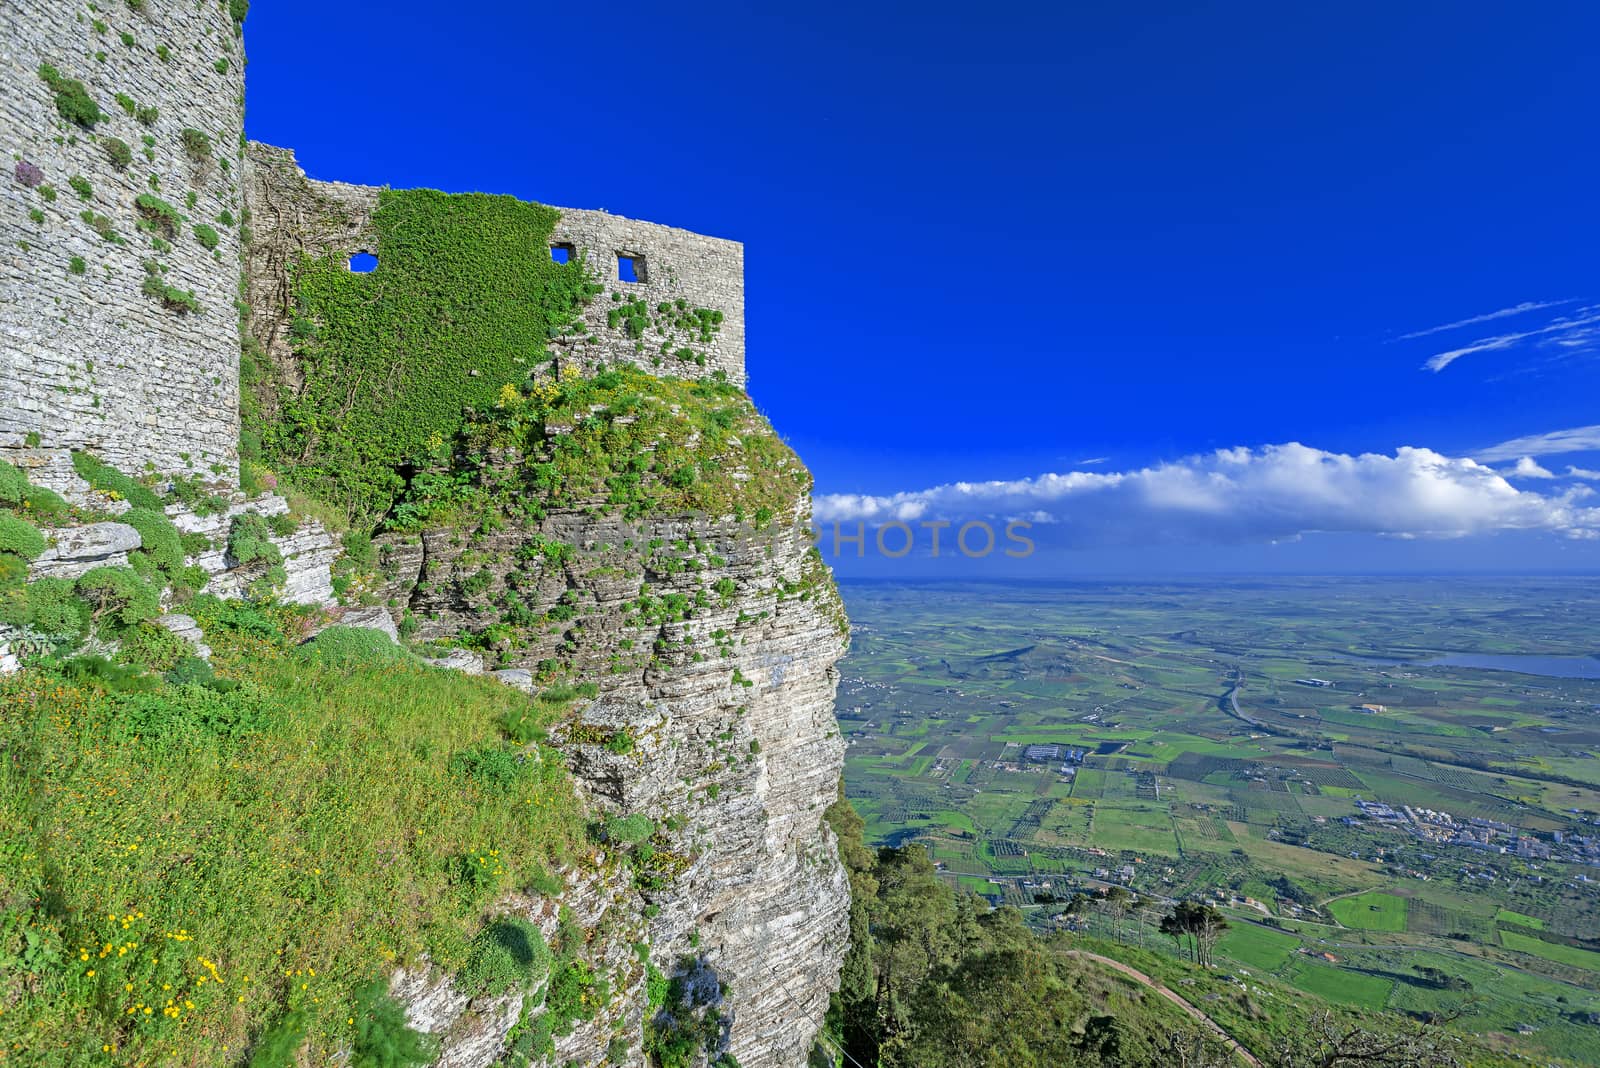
(465, 298)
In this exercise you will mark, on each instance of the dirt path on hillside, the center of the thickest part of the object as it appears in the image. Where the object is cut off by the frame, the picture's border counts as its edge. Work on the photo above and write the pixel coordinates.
(1177, 999)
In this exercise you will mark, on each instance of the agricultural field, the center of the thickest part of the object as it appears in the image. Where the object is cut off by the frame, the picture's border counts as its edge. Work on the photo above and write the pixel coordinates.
(1391, 787)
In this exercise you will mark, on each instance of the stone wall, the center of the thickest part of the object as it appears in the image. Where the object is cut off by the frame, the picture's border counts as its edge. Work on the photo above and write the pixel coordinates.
(87, 360)
(294, 215)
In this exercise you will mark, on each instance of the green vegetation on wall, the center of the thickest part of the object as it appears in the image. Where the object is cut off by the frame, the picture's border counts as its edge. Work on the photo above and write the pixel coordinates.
(464, 300)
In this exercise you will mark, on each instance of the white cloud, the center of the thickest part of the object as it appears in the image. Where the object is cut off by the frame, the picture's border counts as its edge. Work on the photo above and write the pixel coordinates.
(1552, 443)
(1092, 461)
(1247, 495)
(1569, 334)
(1528, 467)
(1581, 472)
(1503, 313)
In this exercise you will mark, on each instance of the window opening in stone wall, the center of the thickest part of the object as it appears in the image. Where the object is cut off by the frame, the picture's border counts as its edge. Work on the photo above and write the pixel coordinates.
(562, 253)
(363, 262)
(630, 267)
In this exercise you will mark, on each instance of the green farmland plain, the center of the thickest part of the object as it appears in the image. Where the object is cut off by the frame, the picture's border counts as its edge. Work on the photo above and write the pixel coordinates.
(1382, 830)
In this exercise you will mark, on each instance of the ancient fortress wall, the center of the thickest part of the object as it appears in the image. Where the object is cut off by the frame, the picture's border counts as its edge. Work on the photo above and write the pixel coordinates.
(88, 360)
(294, 215)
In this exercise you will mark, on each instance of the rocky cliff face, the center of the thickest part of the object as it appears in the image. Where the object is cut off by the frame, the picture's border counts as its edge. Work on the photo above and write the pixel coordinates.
(732, 747)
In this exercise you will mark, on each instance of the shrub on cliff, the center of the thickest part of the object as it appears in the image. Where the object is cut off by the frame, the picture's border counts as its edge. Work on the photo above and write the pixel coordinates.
(354, 646)
(118, 597)
(508, 953)
(160, 543)
(13, 484)
(250, 541)
(48, 606)
(73, 101)
(118, 152)
(21, 537)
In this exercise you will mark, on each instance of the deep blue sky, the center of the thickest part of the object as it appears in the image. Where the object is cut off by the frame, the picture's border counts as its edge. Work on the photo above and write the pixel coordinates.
(989, 242)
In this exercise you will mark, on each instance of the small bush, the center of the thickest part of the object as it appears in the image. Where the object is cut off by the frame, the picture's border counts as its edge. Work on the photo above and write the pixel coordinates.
(76, 265)
(184, 714)
(196, 144)
(13, 573)
(44, 503)
(250, 540)
(221, 66)
(508, 953)
(277, 1045)
(118, 152)
(206, 235)
(80, 185)
(182, 301)
(354, 647)
(153, 647)
(237, 616)
(523, 726)
(113, 678)
(630, 829)
(161, 544)
(13, 484)
(620, 743)
(148, 115)
(19, 536)
(102, 226)
(157, 215)
(118, 597)
(49, 606)
(238, 9)
(73, 101)
(494, 768)
(382, 1039)
(108, 479)
(28, 175)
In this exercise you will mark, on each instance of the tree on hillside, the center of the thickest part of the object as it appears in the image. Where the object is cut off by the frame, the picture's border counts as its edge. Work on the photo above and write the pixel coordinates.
(1195, 926)
(1116, 901)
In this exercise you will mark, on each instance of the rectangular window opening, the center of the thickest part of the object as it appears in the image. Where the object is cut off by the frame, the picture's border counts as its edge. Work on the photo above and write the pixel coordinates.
(562, 253)
(630, 267)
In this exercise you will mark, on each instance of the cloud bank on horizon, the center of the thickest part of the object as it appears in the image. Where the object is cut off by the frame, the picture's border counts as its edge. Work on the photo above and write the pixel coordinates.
(1243, 495)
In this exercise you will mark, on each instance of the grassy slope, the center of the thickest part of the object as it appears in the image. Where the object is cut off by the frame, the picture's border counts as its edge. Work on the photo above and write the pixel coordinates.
(183, 866)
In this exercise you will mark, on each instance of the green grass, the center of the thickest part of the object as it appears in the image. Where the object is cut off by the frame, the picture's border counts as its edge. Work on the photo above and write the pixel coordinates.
(1520, 918)
(1371, 911)
(1339, 985)
(1258, 947)
(224, 855)
(1561, 954)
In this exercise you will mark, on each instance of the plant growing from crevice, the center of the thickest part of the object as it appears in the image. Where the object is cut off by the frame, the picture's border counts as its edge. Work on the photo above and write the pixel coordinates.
(72, 98)
(196, 144)
(182, 301)
(118, 152)
(157, 215)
